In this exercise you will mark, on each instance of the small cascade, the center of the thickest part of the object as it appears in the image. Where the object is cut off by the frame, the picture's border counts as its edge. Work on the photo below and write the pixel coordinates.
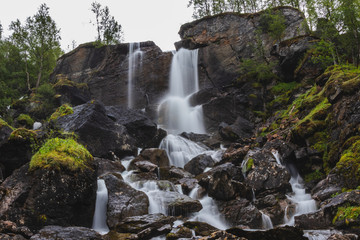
(99, 220)
(175, 112)
(180, 150)
(209, 213)
(266, 221)
(135, 64)
(303, 201)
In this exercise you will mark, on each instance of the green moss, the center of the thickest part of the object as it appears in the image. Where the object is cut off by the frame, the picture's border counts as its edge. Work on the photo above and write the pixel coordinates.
(25, 120)
(4, 124)
(349, 214)
(64, 81)
(349, 166)
(253, 96)
(314, 176)
(63, 110)
(249, 164)
(59, 153)
(23, 134)
(283, 87)
(256, 85)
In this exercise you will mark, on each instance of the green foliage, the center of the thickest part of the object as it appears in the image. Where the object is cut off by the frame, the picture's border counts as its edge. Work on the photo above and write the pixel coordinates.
(349, 165)
(4, 124)
(108, 29)
(347, 214)
(45, 101)
(61, 154)
(323, 53)
(314, 176)
(284, 87)
(63, 81)
(272, 23)
(63, 110)
(25, 120)
(252, 70)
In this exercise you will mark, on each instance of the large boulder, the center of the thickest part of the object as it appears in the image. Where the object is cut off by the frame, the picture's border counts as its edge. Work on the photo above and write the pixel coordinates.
(123, 201)
(102, 135)
(146, 226)
(66, 233)
(48, 197)
(279, 233)
(105, 72)
(199, 163)
(153, 155)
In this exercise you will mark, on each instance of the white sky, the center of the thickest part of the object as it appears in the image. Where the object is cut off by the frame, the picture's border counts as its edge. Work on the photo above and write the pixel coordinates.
(142, 20)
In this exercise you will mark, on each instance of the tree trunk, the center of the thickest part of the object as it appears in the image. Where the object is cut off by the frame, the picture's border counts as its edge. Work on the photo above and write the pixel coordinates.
(40, 71)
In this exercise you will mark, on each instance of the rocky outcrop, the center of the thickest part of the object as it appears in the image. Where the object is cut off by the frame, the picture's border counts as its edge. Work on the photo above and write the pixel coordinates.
(198, 164)
(124, 201)
(224, 40)
(102, 135)
(105, 72)
(66, 233)
(43, 198)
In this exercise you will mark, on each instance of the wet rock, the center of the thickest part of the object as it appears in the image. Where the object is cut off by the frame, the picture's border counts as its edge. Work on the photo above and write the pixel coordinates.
(97, 131)
(316, 220)
(179, 232)
(240, 129)
(200, 228)
(241, 212)
(106, 166)
(153, 155)
(235, 154)
(324, 189)
(338, 236)
(13, 231)
(124, 201)
(47, 197)
(222, 235)
(137, 124)
(66, 233)
(11, 237)
(203, 96)
(179, 173)
(153, 224)
(105, 71)
(188, 184)
(71, 92)
(199, 163)
(145, 166)
(140, 176)
(219, 181)
(183, 205)
(279, 233)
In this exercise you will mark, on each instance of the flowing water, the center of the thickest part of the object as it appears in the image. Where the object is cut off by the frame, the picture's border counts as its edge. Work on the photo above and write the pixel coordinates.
(176, 113)
(99, 220)
(266, 221)
(303, 201)
(135, 64)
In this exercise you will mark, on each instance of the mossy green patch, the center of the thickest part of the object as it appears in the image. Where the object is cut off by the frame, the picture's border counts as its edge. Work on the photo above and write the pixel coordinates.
(314, 176)
(349, 166)
(4, 124)
(283, 87)
(63, 110)
(23, 134)
(349, 214)
(25, 120)
(63, 81)
(59, 154)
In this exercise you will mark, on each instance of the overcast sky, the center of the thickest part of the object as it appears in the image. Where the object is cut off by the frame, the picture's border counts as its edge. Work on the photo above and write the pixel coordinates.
(142, 20)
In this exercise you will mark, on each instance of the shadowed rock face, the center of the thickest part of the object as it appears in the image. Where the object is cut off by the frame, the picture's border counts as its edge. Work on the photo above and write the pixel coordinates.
(225, 40)
(105, 71)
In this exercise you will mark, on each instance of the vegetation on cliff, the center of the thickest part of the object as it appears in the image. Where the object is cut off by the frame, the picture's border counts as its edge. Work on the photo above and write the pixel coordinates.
(59, 154)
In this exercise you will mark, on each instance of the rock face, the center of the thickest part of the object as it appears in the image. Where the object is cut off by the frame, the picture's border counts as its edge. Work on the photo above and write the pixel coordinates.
(43, 198)
(224, 40)
(97, 131)
(66, 233)
(105, 71)
(124, 201)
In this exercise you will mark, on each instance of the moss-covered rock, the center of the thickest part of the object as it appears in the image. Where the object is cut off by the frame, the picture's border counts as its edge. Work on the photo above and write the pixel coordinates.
(23, 134)
(25, 120)
(348, 216)
(63, 110)
(59, 153)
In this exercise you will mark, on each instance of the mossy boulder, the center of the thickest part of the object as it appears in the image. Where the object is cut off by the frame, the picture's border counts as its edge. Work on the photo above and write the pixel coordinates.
(63, 110)
(24, 120)
(59, 154)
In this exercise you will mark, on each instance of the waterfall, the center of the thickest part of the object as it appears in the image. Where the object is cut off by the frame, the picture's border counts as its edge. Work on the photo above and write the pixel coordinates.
(303, 201)
(175, 112)
(135, 64)
(99, 220)
(266, 221)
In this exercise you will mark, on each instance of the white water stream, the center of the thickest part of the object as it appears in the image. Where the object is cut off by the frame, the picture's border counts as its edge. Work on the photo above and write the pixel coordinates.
(99, 220)
(135, 65)
(303, 201)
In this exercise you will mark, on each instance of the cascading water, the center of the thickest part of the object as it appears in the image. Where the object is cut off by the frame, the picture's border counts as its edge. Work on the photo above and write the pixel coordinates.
(135, 64)
(99, 220)
(175, 111)
(303, 201)
(266, 221)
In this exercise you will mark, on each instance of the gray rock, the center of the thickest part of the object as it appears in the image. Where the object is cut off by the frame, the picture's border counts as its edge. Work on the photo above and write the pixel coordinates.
(66, 233)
